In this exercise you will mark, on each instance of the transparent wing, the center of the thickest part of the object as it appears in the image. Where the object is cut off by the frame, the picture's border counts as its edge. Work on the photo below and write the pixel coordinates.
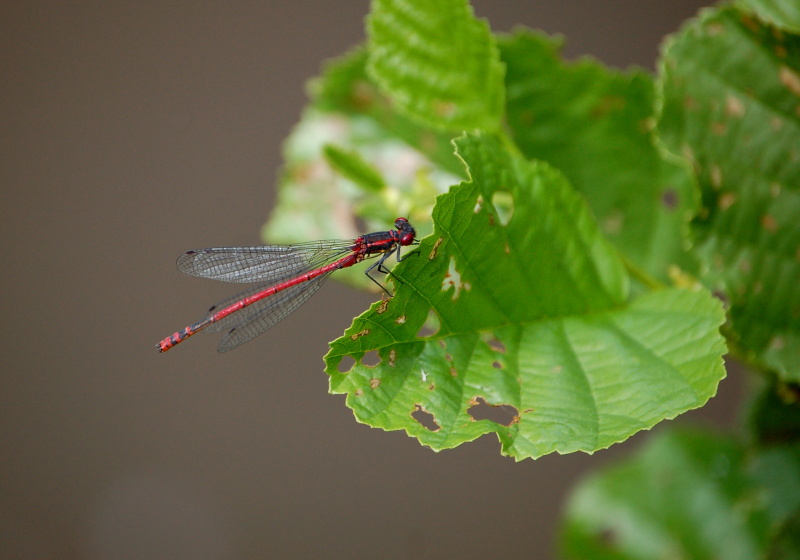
(255, 319)
(265, 263)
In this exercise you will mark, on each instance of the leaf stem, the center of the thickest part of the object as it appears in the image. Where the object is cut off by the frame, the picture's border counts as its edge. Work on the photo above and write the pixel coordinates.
(640, 275)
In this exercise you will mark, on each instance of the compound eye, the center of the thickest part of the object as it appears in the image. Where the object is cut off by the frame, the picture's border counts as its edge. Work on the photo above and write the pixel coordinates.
(400, 223)
(407, 239)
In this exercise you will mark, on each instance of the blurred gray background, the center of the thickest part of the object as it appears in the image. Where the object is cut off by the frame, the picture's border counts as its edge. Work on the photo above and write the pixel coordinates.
(133, 131)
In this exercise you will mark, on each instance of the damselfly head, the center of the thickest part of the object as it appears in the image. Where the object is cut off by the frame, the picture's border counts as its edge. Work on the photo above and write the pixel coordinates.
(406, 231)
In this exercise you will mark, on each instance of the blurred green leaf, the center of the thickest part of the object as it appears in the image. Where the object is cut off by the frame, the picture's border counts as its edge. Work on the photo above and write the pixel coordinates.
(535, 329)
(351, 165)
(345, 89)
(784, 14)
(684, 495)
(594, 124)
(436, 62)
(731, 106)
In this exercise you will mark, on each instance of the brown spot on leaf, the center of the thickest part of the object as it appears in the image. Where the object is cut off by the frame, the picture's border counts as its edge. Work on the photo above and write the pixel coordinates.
(769, 223)
(444, 108)
(745, 266)
(749, 23)
(613, 222)
(719, 128)
(790, 79)
(670, 199)
(383, 306)
(716, 176)
(726, 200)
(607, 104)
(776, 343)
(734, 106)
(435, 248)
(496, 345)
(358, 335)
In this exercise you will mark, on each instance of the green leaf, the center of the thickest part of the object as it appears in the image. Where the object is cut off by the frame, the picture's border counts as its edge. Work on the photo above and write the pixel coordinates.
(535, 329)
(595, 124)
(780, 13)
(351, 165)
(731, 106)
(436, 62)
(685, 495)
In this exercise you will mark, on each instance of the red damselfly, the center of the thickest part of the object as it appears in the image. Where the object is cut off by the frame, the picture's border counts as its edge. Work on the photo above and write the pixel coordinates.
(288, 276)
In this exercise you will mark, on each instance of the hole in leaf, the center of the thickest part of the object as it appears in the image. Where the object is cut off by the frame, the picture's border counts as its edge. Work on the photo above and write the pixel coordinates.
(371, 358)
(431, 325)
(346, 364)
(425, 418)
(452, 279)
(503, 414)
(503, 202)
